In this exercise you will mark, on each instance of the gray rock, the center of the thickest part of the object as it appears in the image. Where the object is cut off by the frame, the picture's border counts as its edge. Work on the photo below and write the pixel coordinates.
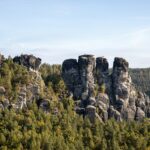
(102, 73)
(113, 113)
(70, 74)
(28, 61)
(91, 112)
(129, 113)
(86, 68)
(2, 90)
(6, 103)
(103, 97)
(1, 106)
(140, 114)
(92, 101)
(121, 85)
(79, 78)
(45, 105)
(118, 98)
(80, 110)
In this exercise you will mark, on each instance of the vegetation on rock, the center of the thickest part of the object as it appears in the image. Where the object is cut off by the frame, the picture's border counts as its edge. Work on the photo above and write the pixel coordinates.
(49, 121)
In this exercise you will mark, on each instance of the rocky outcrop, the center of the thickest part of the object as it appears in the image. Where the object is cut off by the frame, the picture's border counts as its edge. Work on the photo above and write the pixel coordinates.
(4, 102)
(2, 90)
(28, 61)
(79, 79)
(122, 89)
(71, 77)
(22, 98)
(100, 94)
(86, 69)
(102, 72)
(26, 94)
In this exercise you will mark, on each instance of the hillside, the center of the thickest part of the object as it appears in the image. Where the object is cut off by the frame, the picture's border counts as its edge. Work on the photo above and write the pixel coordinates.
(38, 112)
(141, 79)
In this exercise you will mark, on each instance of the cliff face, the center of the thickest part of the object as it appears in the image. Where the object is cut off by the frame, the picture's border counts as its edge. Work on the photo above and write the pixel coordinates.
(100, 94)
(27, 92)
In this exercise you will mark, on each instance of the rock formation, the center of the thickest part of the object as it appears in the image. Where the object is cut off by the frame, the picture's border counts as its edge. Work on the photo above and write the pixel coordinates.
(97, 93)
(29, 61)
(79, 79)
(26, 94)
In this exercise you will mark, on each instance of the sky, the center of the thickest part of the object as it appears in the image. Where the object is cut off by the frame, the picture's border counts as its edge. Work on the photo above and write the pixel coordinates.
(55, 30)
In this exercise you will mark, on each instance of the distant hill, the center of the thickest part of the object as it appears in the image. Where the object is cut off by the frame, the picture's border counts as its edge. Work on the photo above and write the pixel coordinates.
(141, 79)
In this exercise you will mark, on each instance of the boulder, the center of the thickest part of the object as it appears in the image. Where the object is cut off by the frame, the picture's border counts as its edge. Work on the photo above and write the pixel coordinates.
(28, 61)
(140, 114)
(2, 90)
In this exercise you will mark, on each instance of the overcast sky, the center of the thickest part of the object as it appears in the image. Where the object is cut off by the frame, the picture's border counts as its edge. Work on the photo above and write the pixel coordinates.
(59, 29)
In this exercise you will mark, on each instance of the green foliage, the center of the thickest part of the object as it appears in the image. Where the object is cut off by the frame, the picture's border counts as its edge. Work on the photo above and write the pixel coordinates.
(141, 79)
(51, 74)
(12, 76)
(65, 130)
(102, 88)
(34, 129)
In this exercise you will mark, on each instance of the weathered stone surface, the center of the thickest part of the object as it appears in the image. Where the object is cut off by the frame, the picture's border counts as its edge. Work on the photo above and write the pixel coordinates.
(86, 67)
(45, 105)
(91, 112)
(121, 63)
(121, 79)
(6, 103)
(80, 110)
(101, 94)
(92, 101)
(2, 90)
(102, 103)
(22, 99)
(113, 113)
(139, 114)
(79, 78)
(29, 61)
(122, 87)
(29, 93)
(70, 74)
(1, 106)
(102, 71)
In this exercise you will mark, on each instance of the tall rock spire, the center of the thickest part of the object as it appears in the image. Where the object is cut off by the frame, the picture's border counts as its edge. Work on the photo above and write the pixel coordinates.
(101, 94)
